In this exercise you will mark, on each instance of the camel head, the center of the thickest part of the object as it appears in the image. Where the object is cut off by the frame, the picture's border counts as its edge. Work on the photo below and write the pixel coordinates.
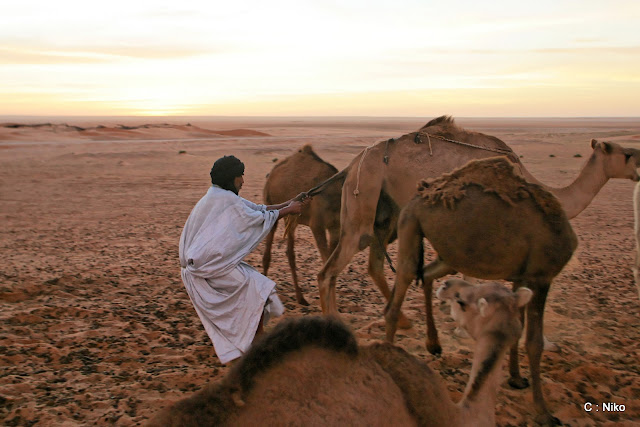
(487, 308)
(619, 162)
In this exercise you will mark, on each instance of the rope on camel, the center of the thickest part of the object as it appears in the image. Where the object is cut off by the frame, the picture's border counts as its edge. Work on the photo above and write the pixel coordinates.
(291, 221)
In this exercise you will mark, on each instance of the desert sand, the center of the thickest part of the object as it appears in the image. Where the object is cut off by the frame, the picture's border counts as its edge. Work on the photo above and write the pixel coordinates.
(97, 328)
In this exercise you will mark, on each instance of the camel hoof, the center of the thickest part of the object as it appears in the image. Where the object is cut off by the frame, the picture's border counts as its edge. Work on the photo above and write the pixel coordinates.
(404, 323)
(302, 301)
(434, 349)
(519, 383)
(548, 420)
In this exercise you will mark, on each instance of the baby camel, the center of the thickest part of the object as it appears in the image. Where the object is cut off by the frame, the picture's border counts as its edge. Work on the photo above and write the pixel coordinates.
(485, 221)
(310, 371)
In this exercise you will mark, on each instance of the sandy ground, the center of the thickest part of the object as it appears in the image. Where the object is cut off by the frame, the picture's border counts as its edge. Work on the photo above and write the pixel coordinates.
(98, 329)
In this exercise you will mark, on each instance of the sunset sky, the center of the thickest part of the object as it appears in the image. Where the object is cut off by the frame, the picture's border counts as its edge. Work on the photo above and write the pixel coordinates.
(413, 58)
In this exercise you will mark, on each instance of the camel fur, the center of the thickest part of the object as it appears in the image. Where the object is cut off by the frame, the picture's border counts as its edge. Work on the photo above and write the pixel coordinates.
(310, 371)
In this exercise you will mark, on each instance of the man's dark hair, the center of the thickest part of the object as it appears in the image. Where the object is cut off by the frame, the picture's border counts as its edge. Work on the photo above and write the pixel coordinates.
(225, 170)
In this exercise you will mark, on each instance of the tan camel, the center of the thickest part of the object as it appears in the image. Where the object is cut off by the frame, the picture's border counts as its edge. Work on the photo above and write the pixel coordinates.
(310, 371)
(636, 217)
(291, 176)
(486, 221)
(300, 172)
(382, 179)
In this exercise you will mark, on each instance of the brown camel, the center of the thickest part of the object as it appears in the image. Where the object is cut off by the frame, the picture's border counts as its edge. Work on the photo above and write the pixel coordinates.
(486, 221)
(310, 371)
(381, 180)
(291, 176)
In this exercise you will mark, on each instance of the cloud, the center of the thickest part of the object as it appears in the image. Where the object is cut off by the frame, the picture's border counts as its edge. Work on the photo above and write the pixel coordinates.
(94, 54)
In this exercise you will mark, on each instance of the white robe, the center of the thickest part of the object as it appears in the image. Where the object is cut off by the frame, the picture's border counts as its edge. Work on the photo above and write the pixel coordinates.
(228, 294)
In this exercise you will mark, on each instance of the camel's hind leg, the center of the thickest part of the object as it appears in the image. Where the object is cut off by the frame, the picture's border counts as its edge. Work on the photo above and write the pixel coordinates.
(434, 270)
(357, 216)
(376, 271)
(266, 257)
(291, 256)
(515, 379)
(320, 236)
(409, 253)
(346, 248)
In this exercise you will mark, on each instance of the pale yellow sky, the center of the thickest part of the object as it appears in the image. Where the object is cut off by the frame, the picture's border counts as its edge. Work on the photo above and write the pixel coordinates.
(404, 58)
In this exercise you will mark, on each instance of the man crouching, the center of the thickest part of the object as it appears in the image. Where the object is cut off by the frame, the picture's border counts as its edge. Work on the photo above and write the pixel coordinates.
(232, 299)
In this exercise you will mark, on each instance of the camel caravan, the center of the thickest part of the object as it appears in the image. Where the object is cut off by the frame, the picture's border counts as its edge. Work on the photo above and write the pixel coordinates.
(485, 216)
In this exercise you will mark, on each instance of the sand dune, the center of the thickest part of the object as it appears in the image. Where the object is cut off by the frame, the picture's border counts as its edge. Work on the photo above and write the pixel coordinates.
(97, 328)
(61, 131)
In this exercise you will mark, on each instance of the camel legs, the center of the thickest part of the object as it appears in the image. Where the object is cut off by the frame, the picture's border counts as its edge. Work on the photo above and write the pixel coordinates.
(337, 261)
(266, 257)
(376, 271)
(291, 256)
(534, 345)
(409, 250)
(535, 312)
(515, 379)
(320, 236)
(434, 270)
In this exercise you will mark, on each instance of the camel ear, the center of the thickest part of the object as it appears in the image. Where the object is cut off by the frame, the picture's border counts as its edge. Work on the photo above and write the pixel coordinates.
(604, 146)
(482, 307)
(523, 296)
(458, 282)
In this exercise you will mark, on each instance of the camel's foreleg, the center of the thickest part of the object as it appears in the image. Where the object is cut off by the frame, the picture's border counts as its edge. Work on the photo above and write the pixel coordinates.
(535, 312)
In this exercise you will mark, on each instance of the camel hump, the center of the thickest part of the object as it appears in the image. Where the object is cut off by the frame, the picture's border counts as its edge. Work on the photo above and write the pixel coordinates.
(290, 336)
(494, 175)
(440, 121)
(306, 149)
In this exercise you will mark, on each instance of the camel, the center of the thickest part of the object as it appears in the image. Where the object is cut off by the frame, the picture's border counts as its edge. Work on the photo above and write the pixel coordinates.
(486, 221)
(311, 371)
(636, 217)
(291, 176)
(382, 179)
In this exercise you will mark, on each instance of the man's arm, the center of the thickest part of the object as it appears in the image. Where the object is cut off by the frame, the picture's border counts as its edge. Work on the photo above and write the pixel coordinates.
(300, 197)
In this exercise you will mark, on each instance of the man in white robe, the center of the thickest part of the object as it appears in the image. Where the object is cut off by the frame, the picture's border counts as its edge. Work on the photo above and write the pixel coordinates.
(231, 298)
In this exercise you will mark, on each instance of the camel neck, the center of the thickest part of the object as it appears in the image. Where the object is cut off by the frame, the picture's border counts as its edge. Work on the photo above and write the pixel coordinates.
(479, 400)
(578, 195)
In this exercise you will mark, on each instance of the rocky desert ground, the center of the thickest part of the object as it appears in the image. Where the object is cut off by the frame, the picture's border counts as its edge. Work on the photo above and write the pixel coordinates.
(97, 328)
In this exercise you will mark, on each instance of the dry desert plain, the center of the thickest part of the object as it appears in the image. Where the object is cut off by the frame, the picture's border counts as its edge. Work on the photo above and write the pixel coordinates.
(97, 329)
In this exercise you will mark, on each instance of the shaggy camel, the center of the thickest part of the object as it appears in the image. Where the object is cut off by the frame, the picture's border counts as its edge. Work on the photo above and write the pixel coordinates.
(293, 175)
(486, 221)
(382, 179)
(310, 371)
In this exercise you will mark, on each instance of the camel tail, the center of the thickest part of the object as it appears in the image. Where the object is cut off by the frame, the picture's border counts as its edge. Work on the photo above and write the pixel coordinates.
(420, 264)
(290, 336)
